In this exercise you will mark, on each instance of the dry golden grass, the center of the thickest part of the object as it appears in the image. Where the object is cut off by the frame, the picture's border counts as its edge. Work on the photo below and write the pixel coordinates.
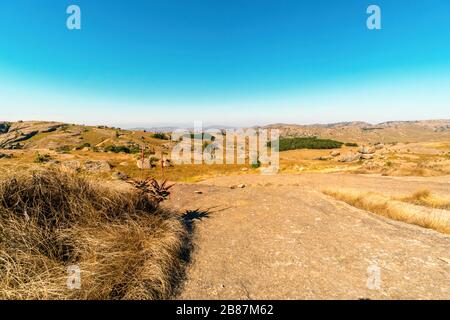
(426, 198)
(124, 244)
(436, 219)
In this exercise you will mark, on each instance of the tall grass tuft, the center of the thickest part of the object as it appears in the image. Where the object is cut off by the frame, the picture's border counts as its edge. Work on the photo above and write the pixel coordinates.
(124, 244)
(389, 207)
(425, 198)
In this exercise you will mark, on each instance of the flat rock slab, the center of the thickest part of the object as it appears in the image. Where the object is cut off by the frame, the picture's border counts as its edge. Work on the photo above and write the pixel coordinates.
(293, 242)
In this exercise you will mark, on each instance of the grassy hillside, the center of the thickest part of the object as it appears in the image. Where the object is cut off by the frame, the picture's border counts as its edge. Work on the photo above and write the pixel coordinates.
(27, 145)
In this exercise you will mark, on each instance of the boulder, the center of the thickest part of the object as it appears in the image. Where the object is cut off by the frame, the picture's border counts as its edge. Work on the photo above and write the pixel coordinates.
(367, 156)
(97, 166)
(350, 157)
(366, 150)
(145, 164)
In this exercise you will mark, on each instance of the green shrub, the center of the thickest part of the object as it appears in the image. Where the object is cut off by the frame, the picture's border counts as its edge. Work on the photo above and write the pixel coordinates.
(153, 161)
(63, 149)
(307, 143)
(84, 145)
(160, 135)
(351, 144)
(256, 165)
(135, 149)
(123, 149)
(42, 158)
(117, 149)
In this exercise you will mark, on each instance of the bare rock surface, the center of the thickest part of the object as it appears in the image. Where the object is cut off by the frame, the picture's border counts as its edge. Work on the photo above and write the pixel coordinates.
(281, 238)
(11, 134)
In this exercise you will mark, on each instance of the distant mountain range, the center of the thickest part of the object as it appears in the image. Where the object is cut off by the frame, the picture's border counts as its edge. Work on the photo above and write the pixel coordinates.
(42, 134)
(391, 131)
(171, 129)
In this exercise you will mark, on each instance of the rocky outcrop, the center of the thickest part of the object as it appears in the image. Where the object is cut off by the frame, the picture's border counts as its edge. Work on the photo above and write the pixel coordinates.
(350, 157)
(12, 140)
(145, 164)
(366, 150)
(4, 127)
(364, 153)
(5, 156)
(13, 134)
(367, 156)
(97, 166)
(153, 163)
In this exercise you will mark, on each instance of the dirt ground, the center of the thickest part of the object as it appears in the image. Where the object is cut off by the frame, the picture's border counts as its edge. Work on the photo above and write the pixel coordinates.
(281, 238)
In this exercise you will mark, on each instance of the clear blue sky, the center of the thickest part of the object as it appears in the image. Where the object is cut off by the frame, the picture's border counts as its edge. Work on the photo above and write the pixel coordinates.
(140, 62)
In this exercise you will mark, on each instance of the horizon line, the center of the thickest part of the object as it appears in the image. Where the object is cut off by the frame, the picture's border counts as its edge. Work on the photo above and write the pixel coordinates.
(138, 127)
